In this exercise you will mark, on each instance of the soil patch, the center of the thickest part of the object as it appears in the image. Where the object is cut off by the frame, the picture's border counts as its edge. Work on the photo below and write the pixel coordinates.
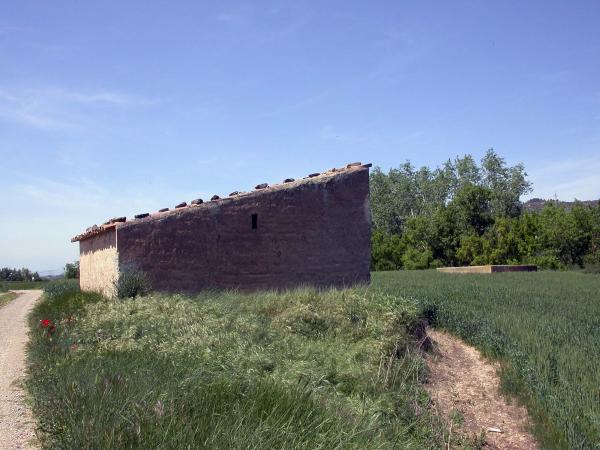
(465, 385)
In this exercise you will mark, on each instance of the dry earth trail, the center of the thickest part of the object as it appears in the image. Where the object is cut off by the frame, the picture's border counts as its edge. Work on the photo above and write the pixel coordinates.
(463, 382)
(16, 424)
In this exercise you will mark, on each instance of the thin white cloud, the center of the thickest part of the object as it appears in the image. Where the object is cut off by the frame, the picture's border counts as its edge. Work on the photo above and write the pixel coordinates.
(52, 108)
(97, 97)
(90, 201)
(231, 18)
(567, 180)
(557, 76)
(46, 213)
(12, 29)
(47, 208)
(568, 166)
(275, 24)
(36, 119)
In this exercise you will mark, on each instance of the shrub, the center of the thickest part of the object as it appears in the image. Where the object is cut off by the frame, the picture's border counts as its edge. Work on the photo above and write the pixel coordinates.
(470, 251)
(384, 265)
(592, 268)
(547, 261)
(386, 251)
(591, 263)
(414, 259)
(132, 282)
(59, 288)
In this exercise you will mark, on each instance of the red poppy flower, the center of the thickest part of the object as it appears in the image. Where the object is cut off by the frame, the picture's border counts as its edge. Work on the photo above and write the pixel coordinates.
(45, 323)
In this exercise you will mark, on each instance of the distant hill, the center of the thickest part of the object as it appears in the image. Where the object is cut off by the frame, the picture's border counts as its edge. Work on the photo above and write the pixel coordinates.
(537, 204)
(52, 274)
(53, 277)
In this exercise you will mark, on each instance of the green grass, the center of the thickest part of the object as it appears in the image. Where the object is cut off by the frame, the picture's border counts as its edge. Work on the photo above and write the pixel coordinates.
(6, 297)
(6, 286)
(545, 326)
(21, 285)
(308, 369)
(300, 369)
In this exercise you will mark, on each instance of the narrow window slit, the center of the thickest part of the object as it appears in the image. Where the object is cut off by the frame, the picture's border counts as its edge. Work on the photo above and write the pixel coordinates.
(254, 221)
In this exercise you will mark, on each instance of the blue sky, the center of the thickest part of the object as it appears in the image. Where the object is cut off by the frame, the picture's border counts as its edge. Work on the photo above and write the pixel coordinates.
(116, 108)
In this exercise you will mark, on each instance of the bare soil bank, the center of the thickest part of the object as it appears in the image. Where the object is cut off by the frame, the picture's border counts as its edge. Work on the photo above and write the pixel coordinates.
(464, 384)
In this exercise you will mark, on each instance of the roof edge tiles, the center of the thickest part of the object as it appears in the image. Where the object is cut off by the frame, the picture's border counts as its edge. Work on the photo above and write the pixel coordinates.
(288, 183)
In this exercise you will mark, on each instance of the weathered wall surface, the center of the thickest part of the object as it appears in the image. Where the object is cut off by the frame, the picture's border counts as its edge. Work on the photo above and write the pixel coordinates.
(99, 263)
(315, 233)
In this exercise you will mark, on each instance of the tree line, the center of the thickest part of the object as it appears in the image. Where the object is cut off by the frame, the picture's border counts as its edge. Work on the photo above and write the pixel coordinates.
(470, 213)
(24, 274)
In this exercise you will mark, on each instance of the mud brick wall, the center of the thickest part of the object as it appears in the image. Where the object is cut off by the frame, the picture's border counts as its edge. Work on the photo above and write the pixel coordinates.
(99, 263)
(314, 232)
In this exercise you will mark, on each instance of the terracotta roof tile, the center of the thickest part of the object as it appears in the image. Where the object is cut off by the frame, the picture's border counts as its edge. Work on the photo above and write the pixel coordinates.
(260, 188)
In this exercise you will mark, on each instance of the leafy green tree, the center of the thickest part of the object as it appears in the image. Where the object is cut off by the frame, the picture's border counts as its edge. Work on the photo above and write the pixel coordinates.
(386, 208)
(471, 250)
(472, 207)
(559, 234)
(464, 171)
(592, 256)
(24, 274)
(414, 259)
(406, 192)
(506, 184)
(469, 214)
(72, 270)
(386, 251)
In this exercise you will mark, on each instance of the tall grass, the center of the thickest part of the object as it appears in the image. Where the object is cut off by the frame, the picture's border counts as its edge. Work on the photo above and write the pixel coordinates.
(61, 288)
(546, 326)
(299, 369)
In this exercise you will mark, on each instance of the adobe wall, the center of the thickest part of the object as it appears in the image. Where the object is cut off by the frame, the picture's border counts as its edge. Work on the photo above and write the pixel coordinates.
(316, 233)
(99, 263)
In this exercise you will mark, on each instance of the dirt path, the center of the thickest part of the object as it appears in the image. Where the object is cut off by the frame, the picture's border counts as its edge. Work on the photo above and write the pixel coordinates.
(16, 427)
(463, 382)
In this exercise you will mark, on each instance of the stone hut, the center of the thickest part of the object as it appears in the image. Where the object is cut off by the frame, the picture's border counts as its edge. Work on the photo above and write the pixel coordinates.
(312, 231)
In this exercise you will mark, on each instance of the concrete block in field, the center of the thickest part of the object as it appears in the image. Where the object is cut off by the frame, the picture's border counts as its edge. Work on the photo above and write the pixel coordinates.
(493, 268)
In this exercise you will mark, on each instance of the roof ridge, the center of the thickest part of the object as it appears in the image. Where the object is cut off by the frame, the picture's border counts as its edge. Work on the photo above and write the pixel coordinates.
(95, 230)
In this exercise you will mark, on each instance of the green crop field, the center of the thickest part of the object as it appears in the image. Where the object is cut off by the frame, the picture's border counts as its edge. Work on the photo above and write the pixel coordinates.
(21, 285)
(545, 325)
(309, 369)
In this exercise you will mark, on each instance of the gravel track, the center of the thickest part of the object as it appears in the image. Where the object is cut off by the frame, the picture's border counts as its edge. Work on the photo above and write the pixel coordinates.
(16, 423)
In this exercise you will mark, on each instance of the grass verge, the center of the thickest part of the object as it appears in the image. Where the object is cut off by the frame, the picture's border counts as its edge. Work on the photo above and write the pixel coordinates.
(300, 369)
(21, 285)
(544, 326)
(7, 297)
